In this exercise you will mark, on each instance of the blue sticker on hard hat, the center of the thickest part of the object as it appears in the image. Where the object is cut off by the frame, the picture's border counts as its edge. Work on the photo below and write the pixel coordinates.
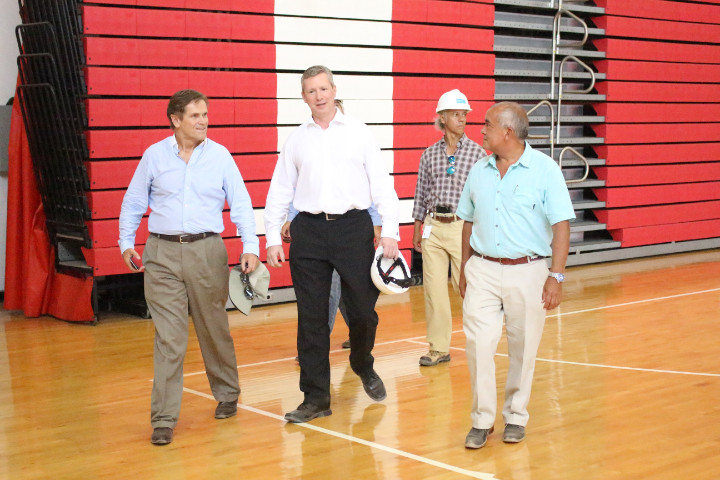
(460, 100)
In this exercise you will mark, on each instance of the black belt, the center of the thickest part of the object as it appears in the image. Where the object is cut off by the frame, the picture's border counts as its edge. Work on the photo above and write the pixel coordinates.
(334, 216)
(508, 261)
(185, 237)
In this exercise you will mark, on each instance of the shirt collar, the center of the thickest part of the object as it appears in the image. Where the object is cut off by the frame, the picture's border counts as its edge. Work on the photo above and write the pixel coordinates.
(525, 159)
(338, 118)
(176, 147)
(460, 142)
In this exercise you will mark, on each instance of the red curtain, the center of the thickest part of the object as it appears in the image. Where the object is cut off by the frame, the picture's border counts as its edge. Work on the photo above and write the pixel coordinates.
(31, 283)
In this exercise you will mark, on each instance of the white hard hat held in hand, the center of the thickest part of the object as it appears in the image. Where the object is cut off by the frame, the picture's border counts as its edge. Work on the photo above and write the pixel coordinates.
(390, 275)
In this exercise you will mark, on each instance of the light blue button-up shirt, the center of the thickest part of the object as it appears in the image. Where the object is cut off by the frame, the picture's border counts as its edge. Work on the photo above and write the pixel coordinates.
(187, 198)
(513, 216)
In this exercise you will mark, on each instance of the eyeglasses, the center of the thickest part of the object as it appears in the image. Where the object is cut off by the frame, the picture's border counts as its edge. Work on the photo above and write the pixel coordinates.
(451, 161)
(248, 290)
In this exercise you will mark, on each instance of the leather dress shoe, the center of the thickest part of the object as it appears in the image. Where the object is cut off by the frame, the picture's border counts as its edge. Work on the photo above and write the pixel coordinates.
(477, 437)
(161, 436)
(226, 409)
(306, 412)
(373, 386)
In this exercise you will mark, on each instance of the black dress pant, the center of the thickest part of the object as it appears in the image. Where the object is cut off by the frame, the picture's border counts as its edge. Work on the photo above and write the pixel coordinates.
(319, 246)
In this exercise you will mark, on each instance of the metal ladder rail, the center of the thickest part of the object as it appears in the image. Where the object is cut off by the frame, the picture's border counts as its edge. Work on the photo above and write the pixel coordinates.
(551, 136)
(556, 44)
(573, 92)
(581, 157)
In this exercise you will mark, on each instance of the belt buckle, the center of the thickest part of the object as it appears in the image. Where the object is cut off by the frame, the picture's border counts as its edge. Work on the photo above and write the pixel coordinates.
(180, 238)
(327, 217)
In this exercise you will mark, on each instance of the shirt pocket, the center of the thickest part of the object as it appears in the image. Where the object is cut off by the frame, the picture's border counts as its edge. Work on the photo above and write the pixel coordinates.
(525, 200)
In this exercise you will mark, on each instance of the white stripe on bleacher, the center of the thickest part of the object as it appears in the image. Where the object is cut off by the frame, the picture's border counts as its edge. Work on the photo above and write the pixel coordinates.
(367, 9)
(349, 87)
(347, 59)
(332, 32)
(295, 111)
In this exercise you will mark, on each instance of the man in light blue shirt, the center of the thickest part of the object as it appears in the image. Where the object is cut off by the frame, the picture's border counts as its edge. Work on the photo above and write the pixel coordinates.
(186, 180)
(516, 209)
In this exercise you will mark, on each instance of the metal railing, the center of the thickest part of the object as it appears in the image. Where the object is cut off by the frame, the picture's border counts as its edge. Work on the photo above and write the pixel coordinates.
(551, 136)
(581, 157)
(558, 43)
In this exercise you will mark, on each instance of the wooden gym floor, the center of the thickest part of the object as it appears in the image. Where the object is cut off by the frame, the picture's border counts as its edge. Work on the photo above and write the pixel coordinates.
(626, 387)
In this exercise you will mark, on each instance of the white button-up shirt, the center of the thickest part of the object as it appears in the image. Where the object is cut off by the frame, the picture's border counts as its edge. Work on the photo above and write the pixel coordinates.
(330, 170)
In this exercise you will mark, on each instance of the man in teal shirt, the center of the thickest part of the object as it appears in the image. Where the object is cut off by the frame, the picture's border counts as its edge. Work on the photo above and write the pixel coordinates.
(516, 209)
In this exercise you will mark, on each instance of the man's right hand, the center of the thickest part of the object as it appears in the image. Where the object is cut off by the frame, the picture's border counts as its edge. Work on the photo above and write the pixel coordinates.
(417, 236)
(285, 233)
(275, 256)
(131, 253)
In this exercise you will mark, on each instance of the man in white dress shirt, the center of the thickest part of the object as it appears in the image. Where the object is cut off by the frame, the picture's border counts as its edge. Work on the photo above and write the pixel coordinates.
(331, 169)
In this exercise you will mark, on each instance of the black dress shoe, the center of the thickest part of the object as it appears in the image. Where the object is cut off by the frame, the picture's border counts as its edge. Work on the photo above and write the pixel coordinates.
(226, 409)
(306, 412)
(161, 436)
(373, 386)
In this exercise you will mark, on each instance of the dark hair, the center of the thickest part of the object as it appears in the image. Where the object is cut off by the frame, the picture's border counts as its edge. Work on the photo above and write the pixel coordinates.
(314, 71)
(180, 100)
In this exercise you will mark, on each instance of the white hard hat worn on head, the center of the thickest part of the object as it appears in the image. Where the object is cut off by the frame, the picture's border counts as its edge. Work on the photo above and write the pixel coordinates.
(388, 275)
(453, 100)
(244, 287)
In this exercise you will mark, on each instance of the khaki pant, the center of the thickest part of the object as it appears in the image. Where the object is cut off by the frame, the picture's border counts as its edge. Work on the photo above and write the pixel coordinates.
(440, 251)
(495, 291)
(181, 279)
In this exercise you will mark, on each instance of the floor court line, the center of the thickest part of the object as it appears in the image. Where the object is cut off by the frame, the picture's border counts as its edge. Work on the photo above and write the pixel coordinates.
(656, 299)
(413, 339)
(384, 448)
(616, 367)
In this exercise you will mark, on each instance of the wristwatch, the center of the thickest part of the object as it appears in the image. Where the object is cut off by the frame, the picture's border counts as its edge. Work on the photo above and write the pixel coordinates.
(557, 276)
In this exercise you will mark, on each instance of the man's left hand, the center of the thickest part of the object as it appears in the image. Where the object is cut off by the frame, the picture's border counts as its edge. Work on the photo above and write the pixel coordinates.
(249, 262)
(390, 247)
(552, 294)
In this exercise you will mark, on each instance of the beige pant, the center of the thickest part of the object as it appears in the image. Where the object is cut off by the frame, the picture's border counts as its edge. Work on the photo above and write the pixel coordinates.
(494, 291)
(440, 251)
(181, 279)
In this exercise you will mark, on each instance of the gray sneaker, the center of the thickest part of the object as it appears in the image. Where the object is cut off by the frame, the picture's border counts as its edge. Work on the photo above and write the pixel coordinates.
(477, 437)
(513, 433)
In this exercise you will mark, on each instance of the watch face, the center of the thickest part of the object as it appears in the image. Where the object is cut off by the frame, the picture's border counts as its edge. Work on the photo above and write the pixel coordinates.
(558, 276)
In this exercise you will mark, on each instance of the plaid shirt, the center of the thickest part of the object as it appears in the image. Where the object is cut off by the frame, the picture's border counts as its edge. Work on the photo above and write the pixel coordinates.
(434, 185)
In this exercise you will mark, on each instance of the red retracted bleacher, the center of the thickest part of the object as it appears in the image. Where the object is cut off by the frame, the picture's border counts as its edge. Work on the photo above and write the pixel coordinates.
(139, 52)
(662, 124)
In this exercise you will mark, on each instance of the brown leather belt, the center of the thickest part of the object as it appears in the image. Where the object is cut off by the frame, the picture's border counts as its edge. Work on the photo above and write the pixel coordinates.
(508, 261)
(185, 237)
(445, 218)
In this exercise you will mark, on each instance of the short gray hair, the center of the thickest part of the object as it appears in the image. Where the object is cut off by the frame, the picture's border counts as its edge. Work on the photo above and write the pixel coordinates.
(314, 71)
(512, 115)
